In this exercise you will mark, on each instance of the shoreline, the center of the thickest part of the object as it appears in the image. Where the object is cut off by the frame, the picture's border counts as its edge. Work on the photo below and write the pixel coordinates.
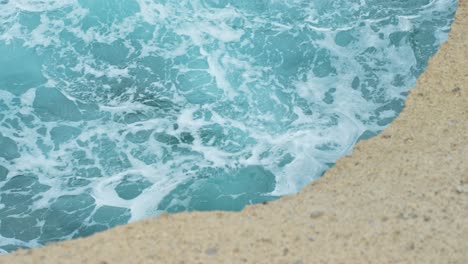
(401, 197)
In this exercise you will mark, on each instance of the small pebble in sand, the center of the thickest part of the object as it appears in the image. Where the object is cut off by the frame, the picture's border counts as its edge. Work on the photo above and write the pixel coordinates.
(316, 214)
(211, 251)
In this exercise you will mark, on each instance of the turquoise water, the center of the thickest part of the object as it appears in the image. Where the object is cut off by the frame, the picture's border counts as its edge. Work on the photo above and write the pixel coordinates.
(116, 110)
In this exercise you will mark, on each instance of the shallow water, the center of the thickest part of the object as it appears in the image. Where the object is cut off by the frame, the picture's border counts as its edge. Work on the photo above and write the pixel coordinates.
(113, 111)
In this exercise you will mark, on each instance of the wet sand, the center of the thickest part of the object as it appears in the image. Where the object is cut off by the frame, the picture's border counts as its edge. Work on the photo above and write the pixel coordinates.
(401, 197)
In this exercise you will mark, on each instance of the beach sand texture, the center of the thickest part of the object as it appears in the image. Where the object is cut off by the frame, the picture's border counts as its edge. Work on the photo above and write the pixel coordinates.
(401, 197)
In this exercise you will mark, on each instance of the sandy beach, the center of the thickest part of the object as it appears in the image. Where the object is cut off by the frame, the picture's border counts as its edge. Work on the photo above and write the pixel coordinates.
(401, 197)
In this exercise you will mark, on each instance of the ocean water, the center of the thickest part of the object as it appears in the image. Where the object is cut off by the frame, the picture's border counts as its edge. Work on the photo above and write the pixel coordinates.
(112, 111)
